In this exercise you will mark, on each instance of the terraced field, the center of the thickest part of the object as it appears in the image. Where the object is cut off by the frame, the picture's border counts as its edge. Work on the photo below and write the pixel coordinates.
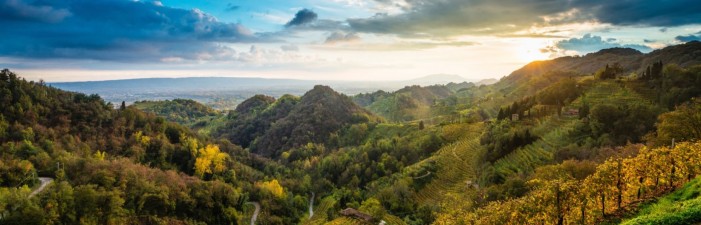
(611, 92)
(389, 220)
(527, 158)
(320, 216)
(346, 221)
(553, 130)
(457, 166)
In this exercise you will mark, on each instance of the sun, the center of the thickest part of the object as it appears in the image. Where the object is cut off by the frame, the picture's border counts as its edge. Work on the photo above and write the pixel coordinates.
(529, 49)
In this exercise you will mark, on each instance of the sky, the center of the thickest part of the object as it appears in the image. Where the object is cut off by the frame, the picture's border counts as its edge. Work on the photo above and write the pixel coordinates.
(80, 40)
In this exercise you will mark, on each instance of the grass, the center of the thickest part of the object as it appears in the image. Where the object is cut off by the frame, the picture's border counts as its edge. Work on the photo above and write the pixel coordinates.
(680, 207)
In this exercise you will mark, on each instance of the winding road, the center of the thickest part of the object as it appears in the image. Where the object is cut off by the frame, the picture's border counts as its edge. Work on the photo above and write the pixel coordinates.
(255, 212)
(45, 181)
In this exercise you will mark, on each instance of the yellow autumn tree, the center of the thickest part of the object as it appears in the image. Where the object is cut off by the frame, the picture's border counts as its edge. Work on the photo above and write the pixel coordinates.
(100, 155)
(273, 187)
(141, 138)
(210, 160)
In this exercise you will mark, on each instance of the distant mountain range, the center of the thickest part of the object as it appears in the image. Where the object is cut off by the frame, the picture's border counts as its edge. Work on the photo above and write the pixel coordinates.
(206, 89)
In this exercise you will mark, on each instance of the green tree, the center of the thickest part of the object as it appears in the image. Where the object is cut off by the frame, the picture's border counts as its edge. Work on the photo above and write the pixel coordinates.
(682, 124)
(373, 207)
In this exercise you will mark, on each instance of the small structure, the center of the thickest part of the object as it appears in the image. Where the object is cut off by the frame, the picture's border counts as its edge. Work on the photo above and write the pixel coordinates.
(514, 117)
(471, 184)
(351, 212)
(572, 112)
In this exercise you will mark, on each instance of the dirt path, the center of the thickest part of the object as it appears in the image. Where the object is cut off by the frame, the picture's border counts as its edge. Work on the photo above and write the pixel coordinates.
(45, 181)
(255, 212)
(311, 206)
(422, 176)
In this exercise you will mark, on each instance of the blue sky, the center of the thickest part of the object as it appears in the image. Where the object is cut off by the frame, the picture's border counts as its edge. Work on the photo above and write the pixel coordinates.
(71, 40)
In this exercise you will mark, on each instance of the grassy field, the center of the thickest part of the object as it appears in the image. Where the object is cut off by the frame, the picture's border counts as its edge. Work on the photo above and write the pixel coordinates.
(680, 207)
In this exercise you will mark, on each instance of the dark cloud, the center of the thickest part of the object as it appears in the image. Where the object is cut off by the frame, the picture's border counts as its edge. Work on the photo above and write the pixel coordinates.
(20, 11)
(115, 30)
(340, 37)
(690, 37)
(302, 17)
(454, 17)
(591, 43)
(643, 12)
(232, 7)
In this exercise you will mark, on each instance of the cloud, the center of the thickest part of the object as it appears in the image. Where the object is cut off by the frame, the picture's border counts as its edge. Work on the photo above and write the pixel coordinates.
(643, 12)
(302, 17)
(289, 48)
(21, 11)
(690, 37)
(115, 31)
(590, 43)
(489, 17)
(396, 45)
(340, 37)
(231, 7)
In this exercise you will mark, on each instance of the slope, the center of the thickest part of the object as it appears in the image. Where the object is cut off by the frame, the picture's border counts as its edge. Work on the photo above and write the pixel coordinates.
(182, 111)
(320, 112)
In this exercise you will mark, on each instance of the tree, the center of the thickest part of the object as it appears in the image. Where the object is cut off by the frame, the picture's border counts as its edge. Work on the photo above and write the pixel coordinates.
(609, 72)
(99, 155)
(682, 124)
(123, 106)
(5, 75)
(584, 110)
(373, 207)
(273, 187)
(210, 160)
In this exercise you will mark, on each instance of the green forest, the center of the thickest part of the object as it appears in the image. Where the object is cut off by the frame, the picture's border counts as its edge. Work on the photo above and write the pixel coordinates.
(612, 137)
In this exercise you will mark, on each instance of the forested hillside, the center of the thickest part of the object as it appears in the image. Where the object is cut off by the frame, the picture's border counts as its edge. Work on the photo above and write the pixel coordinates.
(410, 103)
(182, 111)
(269, 126)
(607, 137)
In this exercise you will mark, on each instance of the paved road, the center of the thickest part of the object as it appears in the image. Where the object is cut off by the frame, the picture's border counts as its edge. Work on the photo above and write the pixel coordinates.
(45, 181)
(255, 212)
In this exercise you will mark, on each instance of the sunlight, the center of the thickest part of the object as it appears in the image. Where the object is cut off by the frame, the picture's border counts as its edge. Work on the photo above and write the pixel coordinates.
(529, 49)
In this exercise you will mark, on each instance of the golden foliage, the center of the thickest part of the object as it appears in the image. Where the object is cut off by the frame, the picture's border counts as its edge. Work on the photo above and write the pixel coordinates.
(210, 160)
(100, 155)
(272, 187)
(616, 184)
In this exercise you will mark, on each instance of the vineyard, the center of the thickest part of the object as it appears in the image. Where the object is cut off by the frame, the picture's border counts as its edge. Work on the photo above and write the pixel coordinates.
(320, 212)
(610, 92)
(456, 164)
(616, 184)
(524, 160)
